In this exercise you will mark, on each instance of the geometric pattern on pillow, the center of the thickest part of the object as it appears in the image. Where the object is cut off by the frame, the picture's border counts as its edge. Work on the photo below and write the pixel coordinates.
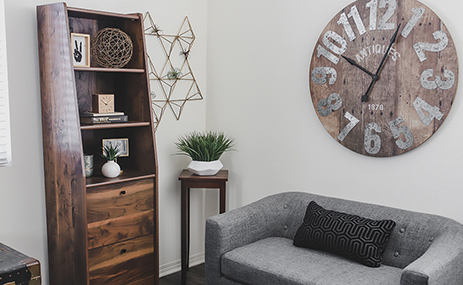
(354, 237)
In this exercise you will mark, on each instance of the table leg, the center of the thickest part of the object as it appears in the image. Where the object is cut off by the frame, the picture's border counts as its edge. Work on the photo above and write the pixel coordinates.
(188, 234)
(223, 195)
(185, 231)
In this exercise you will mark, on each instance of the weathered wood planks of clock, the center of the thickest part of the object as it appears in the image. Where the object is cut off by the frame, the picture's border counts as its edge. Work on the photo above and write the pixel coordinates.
(383, 76)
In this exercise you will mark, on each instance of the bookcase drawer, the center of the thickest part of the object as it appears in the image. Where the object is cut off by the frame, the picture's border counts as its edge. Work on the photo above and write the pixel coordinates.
(117, 200)
(120, 229)
(123, 262)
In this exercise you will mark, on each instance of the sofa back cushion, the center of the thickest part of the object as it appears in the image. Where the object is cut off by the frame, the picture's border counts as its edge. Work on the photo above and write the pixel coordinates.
(352, 236)
(411, 237)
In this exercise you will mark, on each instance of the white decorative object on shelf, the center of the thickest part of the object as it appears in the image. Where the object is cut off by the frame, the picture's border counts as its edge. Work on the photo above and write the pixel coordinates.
(111, 169)
(205, 168)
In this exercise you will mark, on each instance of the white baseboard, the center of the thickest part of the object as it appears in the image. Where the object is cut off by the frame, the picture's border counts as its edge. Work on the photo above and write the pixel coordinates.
(176, 266)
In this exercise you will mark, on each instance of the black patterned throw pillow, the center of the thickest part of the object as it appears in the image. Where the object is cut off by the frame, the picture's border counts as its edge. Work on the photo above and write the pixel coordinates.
(354, 237)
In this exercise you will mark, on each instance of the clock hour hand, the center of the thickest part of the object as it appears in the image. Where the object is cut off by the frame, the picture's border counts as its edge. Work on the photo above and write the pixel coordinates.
(351, 61)
(365, 96)
(106, 102)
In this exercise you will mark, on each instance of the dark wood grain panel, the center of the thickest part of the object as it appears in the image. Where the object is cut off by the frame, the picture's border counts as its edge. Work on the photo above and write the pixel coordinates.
(136, 32)
(99, 15)
(126, 176)
(123, 199)
(129, 262)
(64, 181)
(110, 70)
(111, 255)
(134, 272)
(119, 229)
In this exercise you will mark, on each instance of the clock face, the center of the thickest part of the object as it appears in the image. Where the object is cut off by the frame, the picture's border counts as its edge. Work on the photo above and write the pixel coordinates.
(383, 76)
(105, 103)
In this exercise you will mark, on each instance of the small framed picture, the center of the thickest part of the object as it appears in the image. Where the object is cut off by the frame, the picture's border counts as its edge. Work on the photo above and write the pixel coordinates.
(121, 144)
(80, 47)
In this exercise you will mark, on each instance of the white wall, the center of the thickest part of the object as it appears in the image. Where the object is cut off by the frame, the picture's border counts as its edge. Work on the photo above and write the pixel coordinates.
(258, 56)
(254, 55)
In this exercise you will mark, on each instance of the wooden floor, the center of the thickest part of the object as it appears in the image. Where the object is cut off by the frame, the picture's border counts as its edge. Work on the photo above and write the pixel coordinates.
(195, 276)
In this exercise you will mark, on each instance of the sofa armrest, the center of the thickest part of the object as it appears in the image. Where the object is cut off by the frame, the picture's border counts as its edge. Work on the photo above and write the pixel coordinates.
(240, 227)
(442, 263)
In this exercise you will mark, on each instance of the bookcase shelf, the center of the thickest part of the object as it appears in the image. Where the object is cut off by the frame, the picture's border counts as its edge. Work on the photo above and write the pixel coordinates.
(100, 230)
(115, 125)
(105, 69)
(127, 175)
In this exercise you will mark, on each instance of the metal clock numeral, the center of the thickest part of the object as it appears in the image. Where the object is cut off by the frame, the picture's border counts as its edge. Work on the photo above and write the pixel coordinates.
(382, 23)
(417, 13)
(401, 130)
(321, 51)
(354, 13)
(353, 121)
(436, 47)
(433, 111)
(326, 106)
(319, 75)
(373, 5)
(328, 38)
(347, 27)
(372, 142)
(331, 36)
(437, 83)
(392, 7)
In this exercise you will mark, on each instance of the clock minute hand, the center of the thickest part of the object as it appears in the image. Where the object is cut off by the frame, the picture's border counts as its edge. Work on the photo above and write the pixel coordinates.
(352, 62)
(393, 39)
(380, 67)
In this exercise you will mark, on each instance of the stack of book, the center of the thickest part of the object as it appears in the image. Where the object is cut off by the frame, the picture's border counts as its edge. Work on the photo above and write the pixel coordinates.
(103, 118)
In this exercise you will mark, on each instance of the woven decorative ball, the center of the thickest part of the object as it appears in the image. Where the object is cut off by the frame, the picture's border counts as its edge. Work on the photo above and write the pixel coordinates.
(112, 48)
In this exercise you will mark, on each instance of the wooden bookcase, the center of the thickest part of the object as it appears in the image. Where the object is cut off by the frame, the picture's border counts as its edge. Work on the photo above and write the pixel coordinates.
(100, 230)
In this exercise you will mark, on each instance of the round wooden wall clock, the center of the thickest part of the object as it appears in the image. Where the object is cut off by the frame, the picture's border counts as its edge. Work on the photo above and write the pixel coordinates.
(383, 76)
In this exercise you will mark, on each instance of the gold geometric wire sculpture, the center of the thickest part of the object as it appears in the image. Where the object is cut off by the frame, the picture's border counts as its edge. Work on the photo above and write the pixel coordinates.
(176, 83)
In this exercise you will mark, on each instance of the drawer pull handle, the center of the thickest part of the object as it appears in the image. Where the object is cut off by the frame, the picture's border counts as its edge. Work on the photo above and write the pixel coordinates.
(123, 192)
(123, 251)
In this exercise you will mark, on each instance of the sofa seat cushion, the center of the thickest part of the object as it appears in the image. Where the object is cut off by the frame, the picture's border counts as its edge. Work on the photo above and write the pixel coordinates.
(276, 260)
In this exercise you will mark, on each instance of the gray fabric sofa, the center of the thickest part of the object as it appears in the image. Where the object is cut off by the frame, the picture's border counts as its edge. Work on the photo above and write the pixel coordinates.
(254, 245)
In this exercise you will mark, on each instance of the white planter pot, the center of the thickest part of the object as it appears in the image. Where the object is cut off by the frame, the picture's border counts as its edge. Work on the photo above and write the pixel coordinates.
(205, 168)
(111, 169)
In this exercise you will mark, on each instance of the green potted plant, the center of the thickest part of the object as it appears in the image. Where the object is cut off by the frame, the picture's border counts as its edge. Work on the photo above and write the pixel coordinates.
(205, 150)
(110, 169)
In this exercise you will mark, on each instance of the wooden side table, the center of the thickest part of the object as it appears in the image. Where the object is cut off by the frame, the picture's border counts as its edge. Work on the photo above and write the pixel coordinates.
(190, 180)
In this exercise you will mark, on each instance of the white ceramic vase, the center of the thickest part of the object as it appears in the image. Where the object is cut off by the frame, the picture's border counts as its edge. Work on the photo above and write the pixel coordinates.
(205, 168)
(111, 169)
